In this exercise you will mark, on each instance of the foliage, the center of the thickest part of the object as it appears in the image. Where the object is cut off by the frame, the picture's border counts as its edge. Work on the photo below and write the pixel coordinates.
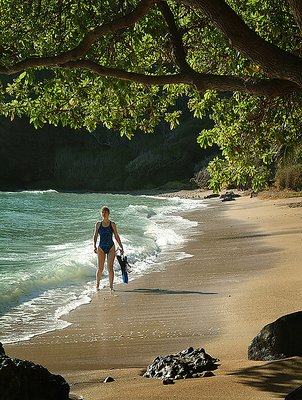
(201, 179)
(289, 177)
(252, 133)
(289, 169)
(124, 65)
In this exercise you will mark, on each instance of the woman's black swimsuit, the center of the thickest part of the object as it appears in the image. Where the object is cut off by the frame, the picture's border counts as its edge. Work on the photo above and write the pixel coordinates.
(106, 241)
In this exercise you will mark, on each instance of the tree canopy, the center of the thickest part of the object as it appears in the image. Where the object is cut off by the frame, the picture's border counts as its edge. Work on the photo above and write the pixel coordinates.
(124, 64)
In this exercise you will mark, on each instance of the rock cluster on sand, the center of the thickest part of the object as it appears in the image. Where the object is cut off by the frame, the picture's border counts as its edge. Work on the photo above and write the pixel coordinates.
(24, 380)
(279, 339)
(188, 363)
(227, 196)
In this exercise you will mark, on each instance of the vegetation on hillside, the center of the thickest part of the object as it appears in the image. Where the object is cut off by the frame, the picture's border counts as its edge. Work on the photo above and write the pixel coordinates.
(64, 159)
(124, 64)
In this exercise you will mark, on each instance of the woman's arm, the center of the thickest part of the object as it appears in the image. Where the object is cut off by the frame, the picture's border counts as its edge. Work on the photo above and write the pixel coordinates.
(95, 236)
(116, 236)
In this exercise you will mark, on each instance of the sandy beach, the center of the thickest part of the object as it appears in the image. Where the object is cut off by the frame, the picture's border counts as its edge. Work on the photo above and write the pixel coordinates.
(244, 272)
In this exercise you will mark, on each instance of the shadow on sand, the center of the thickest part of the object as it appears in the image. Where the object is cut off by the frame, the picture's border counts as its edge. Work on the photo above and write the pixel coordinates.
(279, 377)
(165, 291)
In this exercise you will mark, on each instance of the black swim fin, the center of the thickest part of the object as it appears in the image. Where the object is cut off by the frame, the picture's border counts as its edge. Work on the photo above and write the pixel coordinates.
(123, 264)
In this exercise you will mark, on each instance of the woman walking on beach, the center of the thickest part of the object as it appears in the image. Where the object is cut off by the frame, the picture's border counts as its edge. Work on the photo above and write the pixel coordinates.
(105, 229)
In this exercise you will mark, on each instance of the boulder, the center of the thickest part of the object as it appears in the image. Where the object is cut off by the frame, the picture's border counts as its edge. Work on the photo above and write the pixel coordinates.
(108, 379)
(24, 380)
(2, 351)
(295, 394)
(211, 196)
(188, 363)
(207, 374)
(279, 339)
(168, 381)
(229, 196)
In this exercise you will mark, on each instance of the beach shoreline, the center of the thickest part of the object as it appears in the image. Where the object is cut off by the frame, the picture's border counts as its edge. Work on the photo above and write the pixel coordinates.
(244, 273)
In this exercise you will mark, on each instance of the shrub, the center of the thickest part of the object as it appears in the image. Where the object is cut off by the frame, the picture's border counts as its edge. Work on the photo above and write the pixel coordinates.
(289, 177)
(201, 178)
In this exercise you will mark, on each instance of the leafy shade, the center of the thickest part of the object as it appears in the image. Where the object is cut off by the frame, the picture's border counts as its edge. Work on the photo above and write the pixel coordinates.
(124, 64)
(252, 133)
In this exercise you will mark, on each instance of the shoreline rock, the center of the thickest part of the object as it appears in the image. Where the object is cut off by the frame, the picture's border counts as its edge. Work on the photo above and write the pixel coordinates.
(189, 363)
(279, 339)
(21, 379)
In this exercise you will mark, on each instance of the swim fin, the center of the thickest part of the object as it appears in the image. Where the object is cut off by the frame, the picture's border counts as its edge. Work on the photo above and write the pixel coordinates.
(123, 264)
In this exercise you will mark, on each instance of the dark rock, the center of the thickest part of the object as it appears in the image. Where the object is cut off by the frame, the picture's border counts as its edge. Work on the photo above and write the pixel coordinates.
(229, 196)
(168, 381)
(207, 374)
(24, 380)
(185, 364)
(253, 194)
(295, 395)
(187, 351)
(2, 351)
(279, 339)
(211, 196)
(108, 379)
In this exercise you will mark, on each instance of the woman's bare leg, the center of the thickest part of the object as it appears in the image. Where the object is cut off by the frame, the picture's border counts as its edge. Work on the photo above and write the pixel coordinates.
(110, 261)
(101, 262)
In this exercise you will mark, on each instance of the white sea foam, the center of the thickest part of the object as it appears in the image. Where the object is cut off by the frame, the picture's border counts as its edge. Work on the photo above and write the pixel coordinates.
(38, 191)
(18, 192)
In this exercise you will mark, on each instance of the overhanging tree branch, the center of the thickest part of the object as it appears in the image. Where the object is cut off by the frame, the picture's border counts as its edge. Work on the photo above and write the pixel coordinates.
(144, 79)
(296, 8)
(274, 61)
(84, 46)
(176, 38)
(259, 87)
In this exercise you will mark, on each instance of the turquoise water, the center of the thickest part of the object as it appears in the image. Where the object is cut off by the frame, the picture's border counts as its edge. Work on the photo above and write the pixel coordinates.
(47, 264)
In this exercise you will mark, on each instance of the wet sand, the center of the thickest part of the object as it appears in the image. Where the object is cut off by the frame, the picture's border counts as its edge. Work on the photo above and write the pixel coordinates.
(245, 271)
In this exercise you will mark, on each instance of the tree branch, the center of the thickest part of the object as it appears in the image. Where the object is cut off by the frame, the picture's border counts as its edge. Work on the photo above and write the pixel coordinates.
(127, 76)
(176, 37)
(83, 47)
(276, 62)
(259, 87)
(296, 8)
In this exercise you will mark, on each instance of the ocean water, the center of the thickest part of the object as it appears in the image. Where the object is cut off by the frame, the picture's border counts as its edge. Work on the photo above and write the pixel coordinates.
(47, 263)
